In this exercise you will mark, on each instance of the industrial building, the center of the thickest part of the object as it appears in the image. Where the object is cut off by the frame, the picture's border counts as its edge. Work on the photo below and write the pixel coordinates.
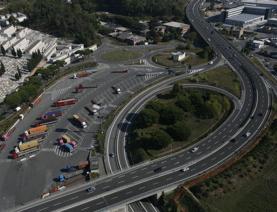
(182, 27)
(272, 22)
(246, 16)
(261, 3)
(245, 20)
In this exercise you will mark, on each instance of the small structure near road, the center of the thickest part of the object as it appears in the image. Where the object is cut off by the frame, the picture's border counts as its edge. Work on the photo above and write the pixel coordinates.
(181, 27)
(178, 56)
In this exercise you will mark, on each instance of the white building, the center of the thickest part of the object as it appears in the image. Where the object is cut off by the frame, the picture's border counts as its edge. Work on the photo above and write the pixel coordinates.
(233, 11)
(9, 31)
(262, 3)
(36, 46)
(9, 43)
(178, 56)
(21, 45)
(23, 32)
(21, 17)
(93, 47)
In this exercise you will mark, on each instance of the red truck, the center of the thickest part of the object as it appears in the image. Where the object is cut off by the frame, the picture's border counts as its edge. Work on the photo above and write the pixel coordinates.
(65, 102)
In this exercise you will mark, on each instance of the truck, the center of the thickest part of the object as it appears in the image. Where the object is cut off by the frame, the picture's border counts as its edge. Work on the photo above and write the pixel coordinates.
(66, 176)
(83, 164)
(24, 149)
(36, 131)
(48, 121)
(51, 114)
(39, 137)
(80, 121)
(65, 102)
(81, 74)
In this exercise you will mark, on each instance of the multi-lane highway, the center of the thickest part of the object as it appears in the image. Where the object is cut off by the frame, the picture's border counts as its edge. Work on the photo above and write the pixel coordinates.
(141, 181)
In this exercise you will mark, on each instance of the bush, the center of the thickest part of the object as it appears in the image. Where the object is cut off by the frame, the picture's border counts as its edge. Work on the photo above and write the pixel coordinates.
(170, 115)
(146, 118)
(179, 131)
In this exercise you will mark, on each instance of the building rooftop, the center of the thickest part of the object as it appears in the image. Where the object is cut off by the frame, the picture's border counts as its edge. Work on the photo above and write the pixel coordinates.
(244, 17)
(260, 2)
(176, 24)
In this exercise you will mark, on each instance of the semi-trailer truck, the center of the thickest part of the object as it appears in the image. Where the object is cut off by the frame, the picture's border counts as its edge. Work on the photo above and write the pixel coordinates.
(36, 130)
(80, 121)
(39, 137)
(25, 149)
(50, 120)
(81, 74)
(65, 102)
(51, 114)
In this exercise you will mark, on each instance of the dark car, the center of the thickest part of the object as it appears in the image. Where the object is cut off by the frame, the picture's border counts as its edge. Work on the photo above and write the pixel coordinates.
(158, 169)
(90, 189)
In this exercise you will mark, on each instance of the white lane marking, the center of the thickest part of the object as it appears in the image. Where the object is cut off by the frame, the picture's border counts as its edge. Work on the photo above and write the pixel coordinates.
(83, 209)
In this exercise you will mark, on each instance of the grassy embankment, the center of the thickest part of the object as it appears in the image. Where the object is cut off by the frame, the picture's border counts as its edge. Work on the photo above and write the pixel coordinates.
(121, 55)
(222, 77)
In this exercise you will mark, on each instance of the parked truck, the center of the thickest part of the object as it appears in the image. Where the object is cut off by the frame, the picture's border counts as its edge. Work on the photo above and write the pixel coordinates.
(51, 114)
(24, 149)
(66, 176)
(36, 130)
(50, 120)
(81, 74)
(70, 147)
(116, 90)
(64, 139)
(80, 121)
(39, 137)
(65, 102)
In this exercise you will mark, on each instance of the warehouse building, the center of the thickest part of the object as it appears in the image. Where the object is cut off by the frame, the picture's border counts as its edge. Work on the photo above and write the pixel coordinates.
(245, 20)
(261, 3)
(272, 22)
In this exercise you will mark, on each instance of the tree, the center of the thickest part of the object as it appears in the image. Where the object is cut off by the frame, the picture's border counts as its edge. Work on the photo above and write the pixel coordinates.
(170, 114)
(179, 131)
(3, 51)
(19, 53)
(146, 118)
(13, 52)
(184, 103)
(19, 73)
(138, 155)
(156, 105)
(17, 76)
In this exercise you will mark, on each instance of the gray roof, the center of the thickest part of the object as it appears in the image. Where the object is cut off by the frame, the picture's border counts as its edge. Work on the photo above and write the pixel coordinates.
(244, 17)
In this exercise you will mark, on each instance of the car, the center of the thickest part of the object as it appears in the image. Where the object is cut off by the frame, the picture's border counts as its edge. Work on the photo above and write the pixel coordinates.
(112, 155)
(247, 134)
(260, 114)
(184, 169)
(194, 149)
(158, 169)
(90, 189)
(233, 140)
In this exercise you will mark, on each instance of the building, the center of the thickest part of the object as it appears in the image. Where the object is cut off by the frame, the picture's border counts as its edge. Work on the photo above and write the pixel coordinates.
(261, 3)
(257, 44)
(37, 46)
(233, 11)
(245, 20)
(93, 47)
(183, 28)
(272, 22)
(21, 45)
(9, 31)
(9, 43)
(178, 56)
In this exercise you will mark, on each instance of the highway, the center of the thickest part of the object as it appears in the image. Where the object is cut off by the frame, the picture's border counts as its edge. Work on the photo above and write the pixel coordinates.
(141, 181)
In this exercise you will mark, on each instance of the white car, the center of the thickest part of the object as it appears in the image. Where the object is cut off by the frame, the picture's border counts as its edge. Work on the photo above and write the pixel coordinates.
(194, 149)
(185, 169)
(248, 134)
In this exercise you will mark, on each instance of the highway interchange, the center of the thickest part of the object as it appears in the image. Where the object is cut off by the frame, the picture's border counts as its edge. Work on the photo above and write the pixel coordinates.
(126, 185)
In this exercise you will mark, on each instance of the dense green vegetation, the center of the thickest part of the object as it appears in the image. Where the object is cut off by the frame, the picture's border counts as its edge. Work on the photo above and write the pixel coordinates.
(170, 121)
(143, 7)
(34, 61)
(121, 55)
(59, 18)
